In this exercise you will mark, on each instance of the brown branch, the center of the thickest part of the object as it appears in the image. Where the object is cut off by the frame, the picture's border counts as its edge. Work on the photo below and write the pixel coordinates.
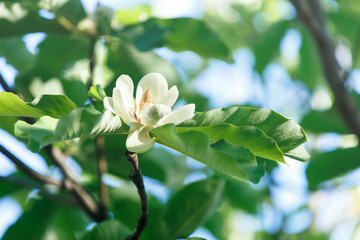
(136, 178)
(310, 13)
(29, 171)
(86, 201)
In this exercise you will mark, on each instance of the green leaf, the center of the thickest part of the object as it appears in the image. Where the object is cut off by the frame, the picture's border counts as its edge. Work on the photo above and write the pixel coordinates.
(287, 134)
(30, 23)
(309, 70)
(126, 59)
(191, 34)
(245, 136)
(329, 165)
(67, 222)
(54, 106)
(195, 238)
(196, 144)
(36, 132)
(7, 187)
(241, 195)
(217, 224)
(191, 206)
(81, 122)
(345, 23)
(7, 124)
(72, 10)
(125, 205)
(268, 45)
(15, 52)
(244, 157)
(151, 36)
(168, 168)
(299, 153)
(181, 34)
(97, 92)
(107, 230)
(323, 122)
(52, 60)
(75, 90)
(40, 214)
(132, 16)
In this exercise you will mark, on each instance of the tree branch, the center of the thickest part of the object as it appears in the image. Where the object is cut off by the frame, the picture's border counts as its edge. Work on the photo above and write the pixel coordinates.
(310, 13)
(29, 171)
(70, 184)
(136, 177)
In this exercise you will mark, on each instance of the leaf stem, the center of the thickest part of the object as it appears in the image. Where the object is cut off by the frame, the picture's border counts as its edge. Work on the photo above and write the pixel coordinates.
(136, 178)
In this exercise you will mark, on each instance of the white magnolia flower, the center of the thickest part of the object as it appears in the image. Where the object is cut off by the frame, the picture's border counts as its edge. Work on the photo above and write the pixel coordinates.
(151, 109)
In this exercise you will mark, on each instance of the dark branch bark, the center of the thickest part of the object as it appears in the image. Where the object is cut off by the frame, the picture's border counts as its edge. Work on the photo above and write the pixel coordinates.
(29, 171)
(310, 13)
(136, 178)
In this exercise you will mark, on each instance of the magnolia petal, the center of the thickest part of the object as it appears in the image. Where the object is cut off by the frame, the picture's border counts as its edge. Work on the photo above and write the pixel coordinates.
(151, 115)
(139, 140)
(109, 104)
(156, 83)
(125, 84)
(178, 116)
(126, 87)
(170, 97)
(122, 107)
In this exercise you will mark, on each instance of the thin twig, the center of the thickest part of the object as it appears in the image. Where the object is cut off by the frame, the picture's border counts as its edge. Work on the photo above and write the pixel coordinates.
(99, 140)
(136, 178)
(29, 171)
(91, 61)
(102, 169)
(313, 18)
(4, 84)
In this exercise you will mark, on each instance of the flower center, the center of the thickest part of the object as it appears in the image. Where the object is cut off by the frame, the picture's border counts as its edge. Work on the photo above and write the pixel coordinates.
(145, 102)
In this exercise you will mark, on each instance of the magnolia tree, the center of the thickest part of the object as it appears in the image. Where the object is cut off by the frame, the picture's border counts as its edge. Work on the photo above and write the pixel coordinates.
(74, 100)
